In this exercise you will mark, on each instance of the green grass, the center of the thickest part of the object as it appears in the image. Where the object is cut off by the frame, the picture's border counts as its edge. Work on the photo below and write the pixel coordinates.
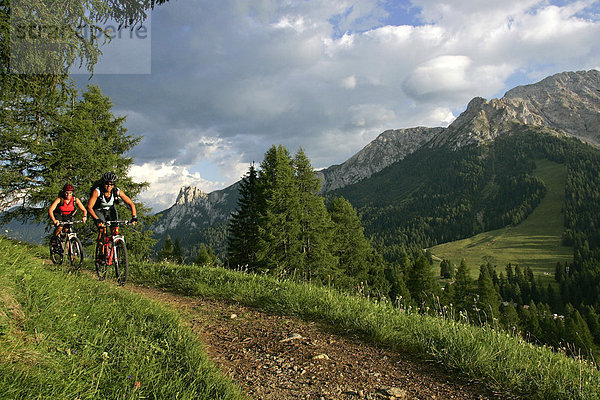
(503, 362)
(535, 242)
(66, 336)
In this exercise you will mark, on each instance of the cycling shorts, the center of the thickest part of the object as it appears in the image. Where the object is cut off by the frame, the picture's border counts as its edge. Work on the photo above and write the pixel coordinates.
(110, 214)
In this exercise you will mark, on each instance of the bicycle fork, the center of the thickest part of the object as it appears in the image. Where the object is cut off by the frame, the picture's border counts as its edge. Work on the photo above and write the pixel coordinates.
(111, 249)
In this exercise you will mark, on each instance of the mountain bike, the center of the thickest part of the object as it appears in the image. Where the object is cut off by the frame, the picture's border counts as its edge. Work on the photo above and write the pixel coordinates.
(66, 243)
(112, 251)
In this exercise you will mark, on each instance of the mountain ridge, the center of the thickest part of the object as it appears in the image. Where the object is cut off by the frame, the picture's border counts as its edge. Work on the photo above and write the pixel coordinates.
(568, 102)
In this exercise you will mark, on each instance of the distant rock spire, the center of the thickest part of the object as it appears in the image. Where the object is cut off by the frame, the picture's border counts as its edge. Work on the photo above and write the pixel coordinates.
(189, 195)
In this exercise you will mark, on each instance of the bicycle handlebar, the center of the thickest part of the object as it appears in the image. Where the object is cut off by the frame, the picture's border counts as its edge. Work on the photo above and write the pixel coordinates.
(61, 223)
(124, 222)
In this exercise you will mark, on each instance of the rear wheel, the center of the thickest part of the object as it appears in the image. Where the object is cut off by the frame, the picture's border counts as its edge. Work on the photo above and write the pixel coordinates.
(121, 262)
(100, 260)
(76, 253)
(56, 250)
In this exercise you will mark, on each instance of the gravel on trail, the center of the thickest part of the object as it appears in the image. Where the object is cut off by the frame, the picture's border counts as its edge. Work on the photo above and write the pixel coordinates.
(281, 357)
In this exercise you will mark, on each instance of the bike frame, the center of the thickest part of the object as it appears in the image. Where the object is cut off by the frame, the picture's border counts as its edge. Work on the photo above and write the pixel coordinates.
(66, 235)
(110, 249)
(109, 240)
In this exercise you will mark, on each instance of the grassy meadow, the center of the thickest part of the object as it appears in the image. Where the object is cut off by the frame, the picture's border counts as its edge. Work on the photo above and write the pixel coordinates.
(503, 362)
(66, 335)
(535, 242)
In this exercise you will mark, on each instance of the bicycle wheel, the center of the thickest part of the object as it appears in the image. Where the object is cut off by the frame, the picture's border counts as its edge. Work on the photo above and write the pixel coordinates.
(56, 250)
(120, 260)
(75, 252)
(100, 261)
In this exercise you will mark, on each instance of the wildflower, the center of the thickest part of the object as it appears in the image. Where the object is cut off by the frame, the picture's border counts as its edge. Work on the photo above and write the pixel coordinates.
(137, 385)
(105, 355)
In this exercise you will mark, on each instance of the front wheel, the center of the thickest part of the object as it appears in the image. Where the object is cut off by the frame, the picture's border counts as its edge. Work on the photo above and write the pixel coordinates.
(121, 262)
(100, 261)
(75, 253)
(56, 250)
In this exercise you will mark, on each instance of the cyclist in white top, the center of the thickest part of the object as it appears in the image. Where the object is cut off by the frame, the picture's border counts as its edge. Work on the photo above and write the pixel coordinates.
(103, 199)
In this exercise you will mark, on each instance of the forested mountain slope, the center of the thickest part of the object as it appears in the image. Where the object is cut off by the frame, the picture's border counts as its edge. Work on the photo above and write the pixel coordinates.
(567, 103)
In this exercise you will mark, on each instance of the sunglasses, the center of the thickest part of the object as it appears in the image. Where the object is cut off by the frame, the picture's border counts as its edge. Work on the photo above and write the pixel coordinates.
(109, 184)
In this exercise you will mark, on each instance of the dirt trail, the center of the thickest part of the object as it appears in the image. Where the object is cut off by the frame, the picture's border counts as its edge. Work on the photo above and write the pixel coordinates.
(278, 357)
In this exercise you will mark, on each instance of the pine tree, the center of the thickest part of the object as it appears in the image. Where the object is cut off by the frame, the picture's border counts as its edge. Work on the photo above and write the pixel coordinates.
(463, 296)
(421, 281)
(279, 227)
(350, 245)
(509, 318)
(243, 237)
(205, 256)
(530, 322)
(578, 333)
(316, 227)
(177, 256)
(446, 269)
(488, 298)
(166, 253)
(399, 292)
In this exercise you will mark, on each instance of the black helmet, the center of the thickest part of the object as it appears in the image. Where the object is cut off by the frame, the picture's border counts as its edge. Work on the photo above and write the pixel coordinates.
(109, 177)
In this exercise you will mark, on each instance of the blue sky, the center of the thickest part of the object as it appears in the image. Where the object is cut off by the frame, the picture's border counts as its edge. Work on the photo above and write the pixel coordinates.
(223, 81)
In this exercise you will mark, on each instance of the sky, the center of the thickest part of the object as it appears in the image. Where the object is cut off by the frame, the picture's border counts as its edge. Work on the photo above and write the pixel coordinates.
(210, 86)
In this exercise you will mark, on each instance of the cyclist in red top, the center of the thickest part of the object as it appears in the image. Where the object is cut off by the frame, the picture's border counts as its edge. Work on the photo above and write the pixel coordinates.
(63, 208)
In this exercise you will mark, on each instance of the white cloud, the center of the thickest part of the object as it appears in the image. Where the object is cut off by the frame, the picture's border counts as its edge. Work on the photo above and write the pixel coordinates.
(441, 117)
(231, 78)
(165, 180)
(349, 82)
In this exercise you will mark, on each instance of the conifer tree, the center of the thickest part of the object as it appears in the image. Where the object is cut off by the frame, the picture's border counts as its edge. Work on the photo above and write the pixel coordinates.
(488, 299)
(243, 225)
(166, 252)
(316, 227)
(509, 317)
(205, 256)
(530, 322)
(279, 227)
(421, 281)
(463, 296)
(88, 141)
(446, 269)
(350, 246)
(399, 292)
(578, 333)
(177, 256)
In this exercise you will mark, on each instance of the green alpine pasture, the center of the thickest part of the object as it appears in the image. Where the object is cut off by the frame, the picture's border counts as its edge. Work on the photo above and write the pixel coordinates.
(535, 242)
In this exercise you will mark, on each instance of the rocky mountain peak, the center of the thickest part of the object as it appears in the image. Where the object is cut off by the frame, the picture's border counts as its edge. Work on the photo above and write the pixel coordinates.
(568, 102)
(189, 195)
(389, 147)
